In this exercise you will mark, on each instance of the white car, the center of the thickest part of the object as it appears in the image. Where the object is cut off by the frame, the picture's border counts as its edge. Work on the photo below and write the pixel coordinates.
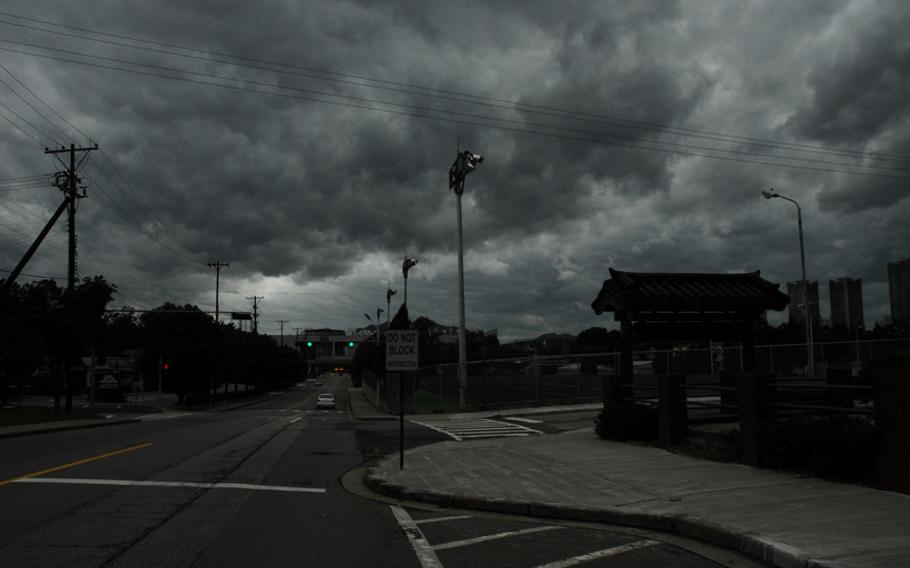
(325, 400)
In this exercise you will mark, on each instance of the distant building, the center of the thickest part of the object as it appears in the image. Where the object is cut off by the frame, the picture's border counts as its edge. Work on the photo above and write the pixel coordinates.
(328, 349)
(797, 303)
(846, 296)
(899, 291)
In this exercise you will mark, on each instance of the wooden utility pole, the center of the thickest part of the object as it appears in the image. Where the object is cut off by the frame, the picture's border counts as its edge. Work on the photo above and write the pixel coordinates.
(217, 265)
(281, 325)
(255, 300)
(71, 190)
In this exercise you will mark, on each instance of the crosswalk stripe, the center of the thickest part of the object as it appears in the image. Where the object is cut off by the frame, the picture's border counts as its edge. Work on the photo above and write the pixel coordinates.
(600, 554)
(474, 429)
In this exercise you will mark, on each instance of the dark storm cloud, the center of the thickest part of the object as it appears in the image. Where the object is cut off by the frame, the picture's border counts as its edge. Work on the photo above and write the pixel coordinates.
(860, 92)
(314, 204)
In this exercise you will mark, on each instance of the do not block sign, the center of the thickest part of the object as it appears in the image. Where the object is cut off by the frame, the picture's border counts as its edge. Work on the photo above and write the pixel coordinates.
(401, 350)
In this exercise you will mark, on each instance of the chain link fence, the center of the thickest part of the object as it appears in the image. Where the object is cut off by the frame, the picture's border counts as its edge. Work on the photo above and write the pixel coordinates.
(571, 379)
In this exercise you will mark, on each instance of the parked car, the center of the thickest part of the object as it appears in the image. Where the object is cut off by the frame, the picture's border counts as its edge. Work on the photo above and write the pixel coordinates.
(325, 400)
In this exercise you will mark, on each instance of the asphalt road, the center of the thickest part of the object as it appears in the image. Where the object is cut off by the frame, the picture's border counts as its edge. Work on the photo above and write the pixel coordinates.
(259, 486)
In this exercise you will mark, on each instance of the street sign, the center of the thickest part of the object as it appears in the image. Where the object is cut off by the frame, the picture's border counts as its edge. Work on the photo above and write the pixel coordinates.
(243, 316)
(401, 350)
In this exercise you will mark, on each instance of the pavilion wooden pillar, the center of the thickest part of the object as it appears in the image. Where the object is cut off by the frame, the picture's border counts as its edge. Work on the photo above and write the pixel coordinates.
(748, 340)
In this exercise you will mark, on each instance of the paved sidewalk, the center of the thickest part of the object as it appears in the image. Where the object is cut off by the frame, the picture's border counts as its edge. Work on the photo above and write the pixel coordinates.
(62, 425)
(783, 519)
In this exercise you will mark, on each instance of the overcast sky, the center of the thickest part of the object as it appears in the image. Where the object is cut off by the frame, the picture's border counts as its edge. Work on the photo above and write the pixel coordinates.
(308, 143)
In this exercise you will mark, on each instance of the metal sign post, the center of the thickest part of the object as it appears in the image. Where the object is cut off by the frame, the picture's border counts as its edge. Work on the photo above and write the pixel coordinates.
(401, 355)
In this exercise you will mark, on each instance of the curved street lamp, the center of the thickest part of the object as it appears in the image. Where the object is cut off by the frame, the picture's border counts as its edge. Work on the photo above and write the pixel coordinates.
(810, 347)
(406, 265)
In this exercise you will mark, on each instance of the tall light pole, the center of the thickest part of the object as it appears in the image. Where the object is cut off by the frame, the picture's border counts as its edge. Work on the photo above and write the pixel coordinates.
(388, 307)
(369, 319)
(465, 163)
(406, 265)
(810, 346)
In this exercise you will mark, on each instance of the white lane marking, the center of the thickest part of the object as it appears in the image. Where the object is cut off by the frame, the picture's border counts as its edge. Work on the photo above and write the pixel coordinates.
(436, 428)
(599, 554)
(441, 519)
(422, 548)
(150, 483)
(520, 419)
(296, 420)
(469, 541)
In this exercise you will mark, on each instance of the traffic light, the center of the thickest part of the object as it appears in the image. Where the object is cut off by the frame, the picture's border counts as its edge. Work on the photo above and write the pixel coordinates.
(350, 344)
(309, 343)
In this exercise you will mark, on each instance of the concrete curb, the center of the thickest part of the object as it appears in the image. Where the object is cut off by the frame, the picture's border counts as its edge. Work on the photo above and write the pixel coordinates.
(64, 428)
(704, 530)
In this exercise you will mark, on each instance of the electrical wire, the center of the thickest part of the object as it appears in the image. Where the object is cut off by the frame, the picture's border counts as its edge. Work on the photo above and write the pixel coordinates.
(421, 112)
(419, 90)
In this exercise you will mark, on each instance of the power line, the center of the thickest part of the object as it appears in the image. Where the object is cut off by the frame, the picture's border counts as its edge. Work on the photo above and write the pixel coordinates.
(588, 136)
(32, 126)
(17, 127)
(419, 90)
(30, 105)
(49, 107)
(97, 166)
(35, 276)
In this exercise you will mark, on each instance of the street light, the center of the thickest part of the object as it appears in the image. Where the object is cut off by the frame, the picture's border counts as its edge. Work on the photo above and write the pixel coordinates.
(406, 265)
(465, 163)
(810, 347)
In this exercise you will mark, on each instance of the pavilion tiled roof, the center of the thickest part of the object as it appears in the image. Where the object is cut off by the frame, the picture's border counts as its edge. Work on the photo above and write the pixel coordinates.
(688, 292)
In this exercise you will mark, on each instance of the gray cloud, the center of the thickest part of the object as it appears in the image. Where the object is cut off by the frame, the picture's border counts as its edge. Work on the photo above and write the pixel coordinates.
(314, 204)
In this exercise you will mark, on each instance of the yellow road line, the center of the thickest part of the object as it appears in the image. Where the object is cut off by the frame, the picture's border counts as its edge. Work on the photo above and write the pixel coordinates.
(309, 398)
(75, 463)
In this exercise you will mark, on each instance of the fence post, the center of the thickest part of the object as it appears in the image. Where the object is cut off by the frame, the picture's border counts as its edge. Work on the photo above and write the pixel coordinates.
(840, 377)
(892, 422)
(671, 409)
(753, 413)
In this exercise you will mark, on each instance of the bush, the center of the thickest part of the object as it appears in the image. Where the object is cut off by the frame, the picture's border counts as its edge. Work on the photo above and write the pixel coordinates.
(842, 448)
(624, 421)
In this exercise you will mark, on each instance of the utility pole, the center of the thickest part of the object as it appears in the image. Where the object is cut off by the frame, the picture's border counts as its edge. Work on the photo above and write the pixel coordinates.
(255, 300)
(297, 338)
(281, 325)
(71, 190)
(217, 265)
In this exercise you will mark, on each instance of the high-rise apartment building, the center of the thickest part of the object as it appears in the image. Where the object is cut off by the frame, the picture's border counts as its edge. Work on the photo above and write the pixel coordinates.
(798, 301)
(846, 296)
(899, 291)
